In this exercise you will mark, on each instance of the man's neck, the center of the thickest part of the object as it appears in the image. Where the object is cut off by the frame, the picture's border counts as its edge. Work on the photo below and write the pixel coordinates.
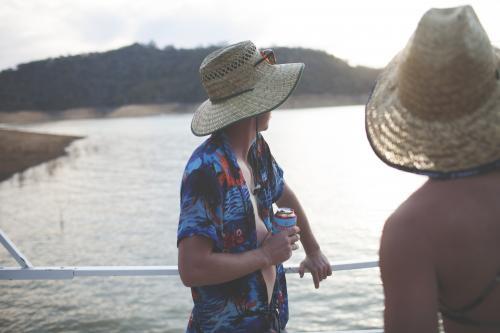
(241, 136)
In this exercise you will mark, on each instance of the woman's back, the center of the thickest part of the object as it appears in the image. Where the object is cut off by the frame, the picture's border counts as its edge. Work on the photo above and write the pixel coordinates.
(459, 223)
(467, 247)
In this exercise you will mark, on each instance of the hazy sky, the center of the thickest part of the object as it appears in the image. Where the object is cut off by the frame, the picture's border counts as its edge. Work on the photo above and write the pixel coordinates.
(361, 32)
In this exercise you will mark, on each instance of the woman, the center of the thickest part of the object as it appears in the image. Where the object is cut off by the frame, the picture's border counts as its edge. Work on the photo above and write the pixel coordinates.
(227, 254)
(435, 111)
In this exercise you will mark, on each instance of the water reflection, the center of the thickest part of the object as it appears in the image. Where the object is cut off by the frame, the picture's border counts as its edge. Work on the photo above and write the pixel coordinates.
(40, 172)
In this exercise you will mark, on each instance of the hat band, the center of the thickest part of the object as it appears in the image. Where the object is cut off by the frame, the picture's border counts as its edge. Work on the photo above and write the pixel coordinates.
(225, 98)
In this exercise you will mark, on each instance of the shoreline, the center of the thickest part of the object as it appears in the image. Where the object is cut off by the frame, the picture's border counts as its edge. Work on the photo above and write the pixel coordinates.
(21, 150)
(35, 116)
(143, 110)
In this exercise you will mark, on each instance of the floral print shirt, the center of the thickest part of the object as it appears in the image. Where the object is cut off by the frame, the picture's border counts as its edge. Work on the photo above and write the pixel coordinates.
(215, 203)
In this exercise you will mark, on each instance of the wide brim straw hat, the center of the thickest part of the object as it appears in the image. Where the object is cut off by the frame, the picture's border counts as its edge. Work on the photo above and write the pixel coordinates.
(240, 83)
(435, 109)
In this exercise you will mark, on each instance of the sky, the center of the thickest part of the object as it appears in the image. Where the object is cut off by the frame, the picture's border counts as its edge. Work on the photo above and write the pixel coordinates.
(367, 33)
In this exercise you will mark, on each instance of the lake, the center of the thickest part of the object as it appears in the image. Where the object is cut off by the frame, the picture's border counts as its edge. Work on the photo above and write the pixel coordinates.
(114, 200)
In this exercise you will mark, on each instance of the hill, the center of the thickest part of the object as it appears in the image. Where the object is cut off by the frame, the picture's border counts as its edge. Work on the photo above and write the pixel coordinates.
(145, 74)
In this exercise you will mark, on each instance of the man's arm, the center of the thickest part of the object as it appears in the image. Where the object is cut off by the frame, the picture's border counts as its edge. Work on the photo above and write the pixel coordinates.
(409, 278)
(315, 261)
(200, 266)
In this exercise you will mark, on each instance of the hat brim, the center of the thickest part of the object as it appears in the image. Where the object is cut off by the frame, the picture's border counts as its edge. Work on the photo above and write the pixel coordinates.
(436, 148)
(275, 85)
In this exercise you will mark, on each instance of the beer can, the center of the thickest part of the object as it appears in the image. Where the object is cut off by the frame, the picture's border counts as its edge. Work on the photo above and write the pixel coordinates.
(283, 219)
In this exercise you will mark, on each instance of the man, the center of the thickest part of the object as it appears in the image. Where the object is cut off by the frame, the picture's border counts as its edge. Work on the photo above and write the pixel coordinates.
(227, 254)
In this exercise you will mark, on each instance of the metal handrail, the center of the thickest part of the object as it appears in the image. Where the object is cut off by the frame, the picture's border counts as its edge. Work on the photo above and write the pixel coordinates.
(27, 271)
(30, 272)
(14, 251)
(68, 273)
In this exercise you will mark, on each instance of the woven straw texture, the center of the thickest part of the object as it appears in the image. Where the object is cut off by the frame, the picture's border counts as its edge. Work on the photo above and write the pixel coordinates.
(238, 88)
(436, 107)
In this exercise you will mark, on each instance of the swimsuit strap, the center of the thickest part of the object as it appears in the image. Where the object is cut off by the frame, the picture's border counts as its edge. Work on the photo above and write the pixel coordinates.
(467, 321)
(459, 315)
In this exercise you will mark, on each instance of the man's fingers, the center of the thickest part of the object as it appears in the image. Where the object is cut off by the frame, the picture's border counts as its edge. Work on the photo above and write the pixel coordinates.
(294, 238)
(301, 269)
(325, 271)
(321, 274)
(293, 230)
(315, 279)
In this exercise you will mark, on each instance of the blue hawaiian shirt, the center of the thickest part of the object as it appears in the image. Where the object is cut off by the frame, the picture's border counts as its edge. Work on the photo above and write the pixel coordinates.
(215, 203)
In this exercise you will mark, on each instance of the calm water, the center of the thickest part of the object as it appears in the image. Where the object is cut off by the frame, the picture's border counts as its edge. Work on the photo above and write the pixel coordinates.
(114, 201)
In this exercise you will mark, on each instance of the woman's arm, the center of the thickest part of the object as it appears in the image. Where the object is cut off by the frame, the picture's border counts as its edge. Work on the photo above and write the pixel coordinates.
(199, 265)
(315, 261)
(409, 278)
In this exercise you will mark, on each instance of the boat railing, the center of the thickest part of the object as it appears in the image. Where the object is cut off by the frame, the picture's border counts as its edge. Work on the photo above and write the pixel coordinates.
(27, 271)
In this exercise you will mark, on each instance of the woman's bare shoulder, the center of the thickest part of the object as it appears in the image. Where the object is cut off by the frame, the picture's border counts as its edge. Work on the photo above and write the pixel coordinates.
(416, 222)
(436, 206)
(420, 206)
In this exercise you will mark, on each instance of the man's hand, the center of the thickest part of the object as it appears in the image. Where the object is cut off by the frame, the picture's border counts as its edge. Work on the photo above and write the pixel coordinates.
(318, 265)
(278, 248)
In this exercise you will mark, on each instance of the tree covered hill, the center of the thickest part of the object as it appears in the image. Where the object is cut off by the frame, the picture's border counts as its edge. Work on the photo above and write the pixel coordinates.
(145, 74)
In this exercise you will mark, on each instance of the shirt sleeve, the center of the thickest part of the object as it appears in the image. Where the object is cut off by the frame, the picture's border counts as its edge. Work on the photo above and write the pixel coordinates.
(200, 204)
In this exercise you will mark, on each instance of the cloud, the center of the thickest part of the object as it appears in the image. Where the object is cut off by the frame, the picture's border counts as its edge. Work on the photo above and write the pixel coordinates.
(361, 32)
(188, 31)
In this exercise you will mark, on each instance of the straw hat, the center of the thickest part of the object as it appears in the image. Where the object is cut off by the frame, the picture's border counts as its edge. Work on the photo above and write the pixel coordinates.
(240, 85)
(435, 109)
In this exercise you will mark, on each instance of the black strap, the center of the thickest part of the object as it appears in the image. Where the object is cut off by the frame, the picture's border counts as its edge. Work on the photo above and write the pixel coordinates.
(256, 170)
(465, 320)
(459, 315)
